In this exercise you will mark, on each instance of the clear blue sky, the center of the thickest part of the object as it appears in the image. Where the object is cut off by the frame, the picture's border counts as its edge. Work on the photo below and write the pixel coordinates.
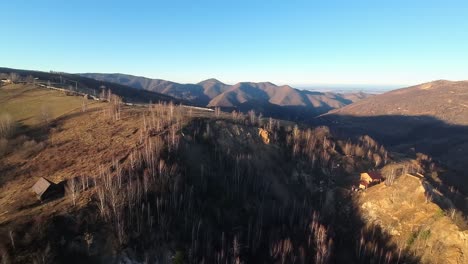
(288, 42)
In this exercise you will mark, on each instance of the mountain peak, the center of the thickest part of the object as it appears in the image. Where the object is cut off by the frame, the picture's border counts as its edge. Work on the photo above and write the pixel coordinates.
(211, 80)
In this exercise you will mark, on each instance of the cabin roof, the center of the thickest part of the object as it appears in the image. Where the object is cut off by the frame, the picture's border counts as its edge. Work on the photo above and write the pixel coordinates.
(375, 175)
(41, 186)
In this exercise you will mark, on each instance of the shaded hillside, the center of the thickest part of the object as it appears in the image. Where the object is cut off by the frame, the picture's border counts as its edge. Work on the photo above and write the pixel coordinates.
(268, 98)
(431, 118)
(89, 85)
(213, 87)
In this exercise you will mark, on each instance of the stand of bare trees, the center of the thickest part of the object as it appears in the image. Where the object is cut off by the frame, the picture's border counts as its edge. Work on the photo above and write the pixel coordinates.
(150, 202)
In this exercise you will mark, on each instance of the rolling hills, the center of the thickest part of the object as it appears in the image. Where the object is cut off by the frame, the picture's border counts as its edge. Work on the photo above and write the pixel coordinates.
(430, 118)
(268, 98)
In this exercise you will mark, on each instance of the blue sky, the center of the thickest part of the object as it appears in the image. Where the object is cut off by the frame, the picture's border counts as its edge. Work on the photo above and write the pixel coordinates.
(287, 42)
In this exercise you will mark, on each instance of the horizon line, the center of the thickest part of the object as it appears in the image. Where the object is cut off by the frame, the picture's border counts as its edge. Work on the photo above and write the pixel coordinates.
(297, 85)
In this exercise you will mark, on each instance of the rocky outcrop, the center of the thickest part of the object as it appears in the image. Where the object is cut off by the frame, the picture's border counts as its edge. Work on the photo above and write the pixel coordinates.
(265, 135)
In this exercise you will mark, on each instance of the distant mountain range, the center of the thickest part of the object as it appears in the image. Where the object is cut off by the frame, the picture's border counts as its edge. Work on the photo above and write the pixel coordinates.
(268, 98)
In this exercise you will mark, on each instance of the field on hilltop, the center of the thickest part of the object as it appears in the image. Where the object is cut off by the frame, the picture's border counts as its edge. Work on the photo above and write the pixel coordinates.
(29, 105)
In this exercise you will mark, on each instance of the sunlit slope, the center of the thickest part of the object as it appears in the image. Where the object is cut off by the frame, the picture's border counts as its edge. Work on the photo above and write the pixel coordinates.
(30, 105)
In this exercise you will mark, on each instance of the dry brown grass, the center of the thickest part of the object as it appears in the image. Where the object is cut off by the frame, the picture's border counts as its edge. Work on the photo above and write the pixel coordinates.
(404, 211)
(79, 144)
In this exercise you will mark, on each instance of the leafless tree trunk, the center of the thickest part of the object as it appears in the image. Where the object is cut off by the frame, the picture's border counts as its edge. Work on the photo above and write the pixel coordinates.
(30, 79)
(45, 115)
(252, 116)
(72, 189)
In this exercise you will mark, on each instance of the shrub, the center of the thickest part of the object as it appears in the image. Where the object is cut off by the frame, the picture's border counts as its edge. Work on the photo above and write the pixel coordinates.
(426, 234)
(3, 146)
(7, 126)
(30, 148)
(440, 213)
(178, 257)
(412, 238)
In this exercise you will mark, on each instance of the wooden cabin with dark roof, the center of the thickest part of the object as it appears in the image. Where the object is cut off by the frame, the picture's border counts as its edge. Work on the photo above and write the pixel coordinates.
(45, 189)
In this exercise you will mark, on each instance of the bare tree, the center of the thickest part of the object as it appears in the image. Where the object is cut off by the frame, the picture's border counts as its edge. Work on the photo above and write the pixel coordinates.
(84, 104)
(252, 116)
(30, 79)
(377, 159)
(46, 115)
(12, 239)
(14, 77)
(100, 191)
(72, 189)
(171, 110)
(217, 111)
(103, 93)
(270, 124)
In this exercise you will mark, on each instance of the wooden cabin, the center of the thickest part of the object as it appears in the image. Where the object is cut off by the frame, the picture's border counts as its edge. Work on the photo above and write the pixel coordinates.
(46, 189)
(369, 178)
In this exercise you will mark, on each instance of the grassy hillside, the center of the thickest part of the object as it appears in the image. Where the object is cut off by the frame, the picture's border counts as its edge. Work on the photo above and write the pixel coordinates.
(28, 105)
(89, 86)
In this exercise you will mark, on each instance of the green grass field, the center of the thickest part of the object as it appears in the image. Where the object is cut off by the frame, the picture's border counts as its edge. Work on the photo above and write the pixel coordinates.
(27, 104)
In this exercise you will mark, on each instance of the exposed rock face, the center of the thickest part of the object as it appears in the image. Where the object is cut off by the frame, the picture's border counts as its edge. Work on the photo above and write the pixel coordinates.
(415, 222)
(265, 135)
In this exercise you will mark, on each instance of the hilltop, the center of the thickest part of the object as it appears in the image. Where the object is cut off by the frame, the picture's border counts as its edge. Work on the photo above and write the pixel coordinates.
(265, 97)
(444, 100)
